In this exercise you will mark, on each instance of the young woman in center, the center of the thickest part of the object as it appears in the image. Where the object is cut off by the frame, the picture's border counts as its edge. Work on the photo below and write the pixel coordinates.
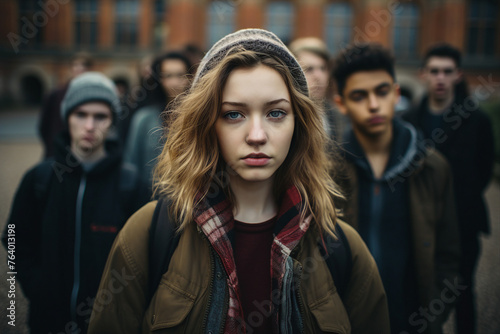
(246, 170)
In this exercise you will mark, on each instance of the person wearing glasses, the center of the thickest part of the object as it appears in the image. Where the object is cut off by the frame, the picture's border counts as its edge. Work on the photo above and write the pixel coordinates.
(170, 73)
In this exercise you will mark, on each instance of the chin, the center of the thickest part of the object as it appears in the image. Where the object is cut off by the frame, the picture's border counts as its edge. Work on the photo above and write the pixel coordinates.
(86, 149)
(255, 176)
(374, 133)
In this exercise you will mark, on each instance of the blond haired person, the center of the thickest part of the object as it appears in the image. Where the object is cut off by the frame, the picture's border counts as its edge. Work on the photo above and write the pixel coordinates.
(245, 167)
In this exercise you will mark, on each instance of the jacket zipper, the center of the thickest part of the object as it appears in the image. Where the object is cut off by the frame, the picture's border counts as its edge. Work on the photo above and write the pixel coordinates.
(77, 246)
(299, 297)
(212, 278)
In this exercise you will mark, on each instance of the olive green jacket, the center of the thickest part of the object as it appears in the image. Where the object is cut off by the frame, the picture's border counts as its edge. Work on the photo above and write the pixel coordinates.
(180, 304)
(434, 231)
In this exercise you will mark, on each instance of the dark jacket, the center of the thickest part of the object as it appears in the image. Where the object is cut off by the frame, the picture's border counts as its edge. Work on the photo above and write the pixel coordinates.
(422, 179)
(194, 294)
(64, 230)
(465, 138)
(334, 122)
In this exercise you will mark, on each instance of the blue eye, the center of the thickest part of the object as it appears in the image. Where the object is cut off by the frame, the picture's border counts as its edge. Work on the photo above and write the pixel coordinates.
(232, 115)
(277, 114)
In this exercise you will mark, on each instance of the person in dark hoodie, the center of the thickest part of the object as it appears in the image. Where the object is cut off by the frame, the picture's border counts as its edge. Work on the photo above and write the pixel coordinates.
(398, 194)
(451, 119)
(68, 210)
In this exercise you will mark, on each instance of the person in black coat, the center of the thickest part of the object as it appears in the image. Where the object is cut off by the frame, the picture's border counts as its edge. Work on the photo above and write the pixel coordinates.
(68, 210)
(451, 120)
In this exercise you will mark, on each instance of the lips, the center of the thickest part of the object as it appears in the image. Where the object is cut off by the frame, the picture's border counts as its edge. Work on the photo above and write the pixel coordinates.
(376, 120)
(256, 159)
(440, 89)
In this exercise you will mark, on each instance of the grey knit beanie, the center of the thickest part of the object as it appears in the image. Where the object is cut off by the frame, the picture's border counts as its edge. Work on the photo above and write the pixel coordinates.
(90, 87)
(257, 40)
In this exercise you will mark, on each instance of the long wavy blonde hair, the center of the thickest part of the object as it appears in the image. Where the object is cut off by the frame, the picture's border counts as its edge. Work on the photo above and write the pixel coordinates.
(191, 162)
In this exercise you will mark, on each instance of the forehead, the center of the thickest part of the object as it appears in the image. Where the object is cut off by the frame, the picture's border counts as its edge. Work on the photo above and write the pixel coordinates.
(440, 62)
(256, 83)
(94, 108)
(307, 57)
(367, 80)
(173, 65)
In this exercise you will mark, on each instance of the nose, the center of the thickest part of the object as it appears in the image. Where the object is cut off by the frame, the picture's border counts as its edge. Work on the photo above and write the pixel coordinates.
(373, 102)
(256, 133)
(441, 75)
(89, 123)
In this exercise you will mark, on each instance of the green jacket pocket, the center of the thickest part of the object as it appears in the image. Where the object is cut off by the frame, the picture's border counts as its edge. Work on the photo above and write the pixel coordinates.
(330, 314)
(171, 306)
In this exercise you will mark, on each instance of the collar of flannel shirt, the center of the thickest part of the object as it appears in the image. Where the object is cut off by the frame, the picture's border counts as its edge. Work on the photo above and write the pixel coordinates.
(214, 216)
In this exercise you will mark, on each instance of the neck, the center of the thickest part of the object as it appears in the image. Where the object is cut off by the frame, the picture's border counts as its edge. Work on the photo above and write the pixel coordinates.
(377, 150)
(439, 106)
(375, 144)
(255, 202)
(88, 156)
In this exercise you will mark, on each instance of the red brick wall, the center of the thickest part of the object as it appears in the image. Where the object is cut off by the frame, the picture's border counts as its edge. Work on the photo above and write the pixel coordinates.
(186, 21)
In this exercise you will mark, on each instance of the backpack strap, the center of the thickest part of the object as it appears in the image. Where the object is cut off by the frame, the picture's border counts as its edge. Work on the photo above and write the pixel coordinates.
(338, 258)
(163, 241)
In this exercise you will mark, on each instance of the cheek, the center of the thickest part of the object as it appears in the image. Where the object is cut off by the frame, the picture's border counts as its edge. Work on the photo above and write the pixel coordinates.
(325, 77)
(73, 127)
(104, 127)
(285, 138)
(224, 140)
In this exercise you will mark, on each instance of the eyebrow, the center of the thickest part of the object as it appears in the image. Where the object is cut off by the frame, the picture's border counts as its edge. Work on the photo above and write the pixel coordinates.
(267, 104)
(364, 91)
(437, 68)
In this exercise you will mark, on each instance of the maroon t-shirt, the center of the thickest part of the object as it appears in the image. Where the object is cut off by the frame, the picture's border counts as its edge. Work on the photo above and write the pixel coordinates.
(252, 254)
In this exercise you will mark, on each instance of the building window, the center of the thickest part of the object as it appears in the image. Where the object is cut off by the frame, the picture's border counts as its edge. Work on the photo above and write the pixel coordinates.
(220, 20)
(126, 23)
(31, 23)
(159, 27)
(338, 25)
(405, 30)
(280, 20)
(482, 26)
(86, 23)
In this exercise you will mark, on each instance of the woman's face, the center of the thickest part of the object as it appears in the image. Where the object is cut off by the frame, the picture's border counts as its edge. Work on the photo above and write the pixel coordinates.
(173, 77)
(256, 123)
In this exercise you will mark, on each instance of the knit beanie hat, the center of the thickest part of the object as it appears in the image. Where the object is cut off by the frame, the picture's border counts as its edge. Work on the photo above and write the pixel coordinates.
(257, 40)
(90, 87)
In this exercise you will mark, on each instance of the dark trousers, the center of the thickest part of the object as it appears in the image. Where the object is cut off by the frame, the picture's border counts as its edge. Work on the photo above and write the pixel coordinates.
(466, 304)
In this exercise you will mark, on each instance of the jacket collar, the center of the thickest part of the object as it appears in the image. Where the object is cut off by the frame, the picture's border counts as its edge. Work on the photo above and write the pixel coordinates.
(404, 151)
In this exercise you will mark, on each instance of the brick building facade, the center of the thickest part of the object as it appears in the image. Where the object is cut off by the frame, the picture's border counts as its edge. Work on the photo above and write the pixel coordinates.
(38, 36)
